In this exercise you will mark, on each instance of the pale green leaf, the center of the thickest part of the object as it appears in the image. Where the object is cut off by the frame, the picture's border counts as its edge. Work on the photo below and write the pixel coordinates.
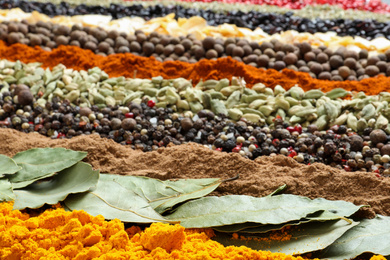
(37, 163)
(7, 166)
(163, 195)
(6, 193)
(235, 209)
(78, 178)
(370, 236)
(111, 200)
(304, 238)
(258, 228)
(22, 184)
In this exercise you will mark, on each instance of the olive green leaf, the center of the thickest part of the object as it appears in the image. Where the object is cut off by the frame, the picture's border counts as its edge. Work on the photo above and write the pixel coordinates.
(7, 165)
(304, 238)
(258, 228)
(111, 200)
(163, 195)
(235, 209)
(78, 178)
(370, 236)
(38, 163)
(6, 193)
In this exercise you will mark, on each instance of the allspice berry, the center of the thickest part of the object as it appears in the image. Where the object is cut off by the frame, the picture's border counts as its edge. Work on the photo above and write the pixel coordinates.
(129, 124)
(25, 97)
(378, 136)
(356, 142)
(186, 124)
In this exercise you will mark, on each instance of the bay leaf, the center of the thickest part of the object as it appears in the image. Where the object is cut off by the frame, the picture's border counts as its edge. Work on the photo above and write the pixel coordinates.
(39, 162)
(250, 227)
(163, 195)
(370, 236)
(7, 165)
(305, 238)
(78, 178)
(6, 193)
(235, 209)
(111, 200)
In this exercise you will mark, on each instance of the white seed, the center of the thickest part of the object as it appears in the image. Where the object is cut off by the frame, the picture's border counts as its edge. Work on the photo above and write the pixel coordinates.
(224, 137)
(19, 112)
(299, 158)
(251, 147)
(385, 158)
(284, 151)
(25, 125)
(358, 156)
(240, 140)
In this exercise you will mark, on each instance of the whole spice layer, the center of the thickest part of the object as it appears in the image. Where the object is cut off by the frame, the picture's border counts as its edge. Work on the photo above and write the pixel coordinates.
(269, 22)
(198, 26)
(323, 63)
(59, 234)
(129, 65)
(323, 11)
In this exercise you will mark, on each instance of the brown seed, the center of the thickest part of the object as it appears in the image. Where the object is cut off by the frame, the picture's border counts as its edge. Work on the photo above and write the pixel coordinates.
(316, 68)
(25, 97)
(382, 57)
(13, 27)
(247, 50)
(309, 56)
(183, 59)
(372, 60)
(129, 124)
(51, 45)
(252, 58)
(35, 40)
(336, 61)
(174, 40)
(238, 51)
(372, 70)
(279, 55)
(288, 48)
(385, 149)
(382, 66)
(378, 136)
(290, 59)
(186, 124)
(148, 48)
(337, 78)
(279, 65)
(135, 47)
(322, 57)
(210, 54)
(351, 54)
(62, 30)
(103, 47)
(13, 37)
(341, 51)
(304, 69)
(242, 42)
(208, 43)
(269, 52)
(19, 88)
(219, 49)
(85, 111)
(23, 28)
(62, 40)
(263, 61)
(199, 52)
(344, 72)
(123, 49)
(304, 47)
(229, 49)
(187, 44)
(350, 63)
(363, 54)
(141, 37)
(179, 49)
(266, 45)
(325, 75)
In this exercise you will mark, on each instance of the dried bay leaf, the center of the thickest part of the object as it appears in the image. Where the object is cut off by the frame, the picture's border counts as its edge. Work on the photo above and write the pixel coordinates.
(163, 195)
(78, 178)
(6, 193)
(111, 200)
(302, 239)
(235, 209)
(371, 235)
(38, 163)
(8, 166)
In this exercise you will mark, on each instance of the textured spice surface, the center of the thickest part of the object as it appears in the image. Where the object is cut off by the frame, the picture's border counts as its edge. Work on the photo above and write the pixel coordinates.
(129, 65)
(257, 178)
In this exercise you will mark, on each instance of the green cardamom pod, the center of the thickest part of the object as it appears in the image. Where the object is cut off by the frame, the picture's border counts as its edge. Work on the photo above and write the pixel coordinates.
(337, 93)
(381, 122)
(235, 113)
(313, 94)
(352, 122)
(368, 111)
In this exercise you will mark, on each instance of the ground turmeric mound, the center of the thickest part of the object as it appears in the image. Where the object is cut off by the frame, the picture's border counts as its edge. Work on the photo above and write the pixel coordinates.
(59, 234)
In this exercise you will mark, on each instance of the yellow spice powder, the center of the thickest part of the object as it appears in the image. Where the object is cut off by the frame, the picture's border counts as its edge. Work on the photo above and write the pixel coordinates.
(58, 234)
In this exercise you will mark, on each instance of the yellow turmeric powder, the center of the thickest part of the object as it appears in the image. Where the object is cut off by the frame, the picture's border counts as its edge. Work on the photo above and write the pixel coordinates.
(58, 234)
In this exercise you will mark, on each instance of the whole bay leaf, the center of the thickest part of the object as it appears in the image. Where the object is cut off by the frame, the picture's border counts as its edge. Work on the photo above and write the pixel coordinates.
(235, 209)
(250, 227)
(305, 238)
(37, 163)
(370, 236)
(77, 178)
(6, 193)
(163, 195)
(111, 200)
(7, 166)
